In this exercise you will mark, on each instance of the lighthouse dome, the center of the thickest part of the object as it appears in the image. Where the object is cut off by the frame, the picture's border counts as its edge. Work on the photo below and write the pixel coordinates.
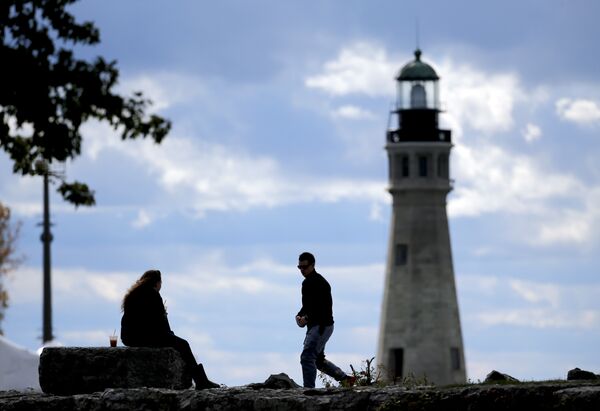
(417, 70)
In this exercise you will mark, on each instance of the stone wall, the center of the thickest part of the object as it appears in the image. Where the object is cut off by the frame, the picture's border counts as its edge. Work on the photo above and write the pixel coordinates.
(580, 396)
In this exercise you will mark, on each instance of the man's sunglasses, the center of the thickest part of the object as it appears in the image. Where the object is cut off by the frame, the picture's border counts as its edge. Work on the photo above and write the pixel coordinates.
(303, 266)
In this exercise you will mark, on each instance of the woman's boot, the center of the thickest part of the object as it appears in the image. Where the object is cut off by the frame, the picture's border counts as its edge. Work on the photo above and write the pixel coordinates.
(201, 380)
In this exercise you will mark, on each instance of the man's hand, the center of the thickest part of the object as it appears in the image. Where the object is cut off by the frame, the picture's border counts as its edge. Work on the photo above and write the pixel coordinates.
(301, 321)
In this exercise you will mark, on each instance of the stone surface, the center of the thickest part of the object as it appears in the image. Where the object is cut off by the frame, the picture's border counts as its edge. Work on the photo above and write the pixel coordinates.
(496, 376)
(76, 370)
(568, 396)
(578, 398)
(578, 374)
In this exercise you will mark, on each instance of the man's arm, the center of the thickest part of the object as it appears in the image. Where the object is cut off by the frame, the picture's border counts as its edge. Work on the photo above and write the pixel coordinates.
(302, 317)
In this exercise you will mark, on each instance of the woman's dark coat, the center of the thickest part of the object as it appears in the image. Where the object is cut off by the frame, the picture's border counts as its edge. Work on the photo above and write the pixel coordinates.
(144, 321)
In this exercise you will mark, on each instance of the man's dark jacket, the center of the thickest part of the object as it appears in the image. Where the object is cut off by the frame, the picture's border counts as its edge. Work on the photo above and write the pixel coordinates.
(316, 300)
(144, 321)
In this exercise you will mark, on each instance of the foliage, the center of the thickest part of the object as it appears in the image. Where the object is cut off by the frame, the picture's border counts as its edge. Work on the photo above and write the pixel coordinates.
(371, 375)
(46, 93)
(8, 235)
(367, 375)
(325, 380)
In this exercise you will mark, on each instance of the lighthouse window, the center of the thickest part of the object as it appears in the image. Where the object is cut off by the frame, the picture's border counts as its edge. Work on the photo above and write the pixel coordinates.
(405, 166)
(455, 358)
(401, 254)
(443, 166)
(422, 166)
(418, 97)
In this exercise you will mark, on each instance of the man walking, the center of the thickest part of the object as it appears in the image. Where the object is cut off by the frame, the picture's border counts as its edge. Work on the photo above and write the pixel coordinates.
(317, 314)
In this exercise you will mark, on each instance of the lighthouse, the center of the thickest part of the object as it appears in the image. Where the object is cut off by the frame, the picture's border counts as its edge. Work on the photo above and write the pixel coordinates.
(420, 333)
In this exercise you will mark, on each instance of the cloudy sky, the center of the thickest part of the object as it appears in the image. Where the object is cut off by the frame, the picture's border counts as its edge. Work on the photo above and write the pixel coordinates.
(279, 114)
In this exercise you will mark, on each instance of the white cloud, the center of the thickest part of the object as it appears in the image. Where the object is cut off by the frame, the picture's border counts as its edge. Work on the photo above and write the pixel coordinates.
(541, 318)
(537, 293)
(579, 111)
(477, 284)
(143, 219)
(23, 194)
(25, 129)
(164, 89)
(573, 226)
(365, 277)
(201, 176)
(478, 99)
(361, 68)
(569, 227)
(208, 274)
(352, 113)
(376, 212)
(109, 287)
(475, 98)
(539, 304)
(531, 133)
(493, 180)
(25, 284)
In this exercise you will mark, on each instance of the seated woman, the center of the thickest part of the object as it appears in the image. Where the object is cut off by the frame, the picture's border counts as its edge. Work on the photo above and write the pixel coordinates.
(145, 324)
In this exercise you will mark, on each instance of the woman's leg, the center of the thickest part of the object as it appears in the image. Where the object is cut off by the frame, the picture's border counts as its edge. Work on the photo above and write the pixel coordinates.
(183, 347)
(197, 370)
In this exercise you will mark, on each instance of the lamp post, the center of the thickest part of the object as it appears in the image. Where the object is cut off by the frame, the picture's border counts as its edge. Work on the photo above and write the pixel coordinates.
(43, 168)
(46, 238)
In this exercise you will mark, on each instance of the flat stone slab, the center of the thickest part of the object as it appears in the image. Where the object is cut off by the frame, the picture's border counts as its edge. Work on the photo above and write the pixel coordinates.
(78, 370)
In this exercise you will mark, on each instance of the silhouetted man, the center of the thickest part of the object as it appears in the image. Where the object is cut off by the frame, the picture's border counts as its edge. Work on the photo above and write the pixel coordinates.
(317, 314)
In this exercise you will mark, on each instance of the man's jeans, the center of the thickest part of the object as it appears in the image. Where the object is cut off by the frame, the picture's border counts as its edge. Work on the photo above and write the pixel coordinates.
(313, 357)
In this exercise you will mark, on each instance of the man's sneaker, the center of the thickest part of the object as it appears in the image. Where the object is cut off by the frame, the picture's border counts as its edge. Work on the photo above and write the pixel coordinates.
(349, 381)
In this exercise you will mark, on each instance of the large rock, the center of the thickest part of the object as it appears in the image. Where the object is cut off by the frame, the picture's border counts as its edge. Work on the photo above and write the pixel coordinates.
(279, 381)
(76, 370)
(579, 374)
(498, 377)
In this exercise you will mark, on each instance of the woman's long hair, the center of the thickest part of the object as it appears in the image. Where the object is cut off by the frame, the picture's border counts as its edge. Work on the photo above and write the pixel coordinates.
(149, 279)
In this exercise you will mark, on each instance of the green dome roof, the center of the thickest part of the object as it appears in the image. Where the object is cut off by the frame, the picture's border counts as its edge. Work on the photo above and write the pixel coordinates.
(417, 70)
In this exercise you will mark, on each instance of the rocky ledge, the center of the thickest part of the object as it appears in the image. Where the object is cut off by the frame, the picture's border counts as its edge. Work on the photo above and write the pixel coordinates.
(542, 396)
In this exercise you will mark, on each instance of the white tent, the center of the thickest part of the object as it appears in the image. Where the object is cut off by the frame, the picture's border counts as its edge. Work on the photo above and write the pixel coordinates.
(18, 367)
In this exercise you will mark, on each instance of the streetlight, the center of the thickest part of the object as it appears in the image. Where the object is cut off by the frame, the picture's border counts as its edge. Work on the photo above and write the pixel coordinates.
(42, 167)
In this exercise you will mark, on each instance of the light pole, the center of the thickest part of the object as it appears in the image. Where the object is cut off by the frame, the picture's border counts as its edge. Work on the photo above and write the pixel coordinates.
(43, 168)
(46, 238)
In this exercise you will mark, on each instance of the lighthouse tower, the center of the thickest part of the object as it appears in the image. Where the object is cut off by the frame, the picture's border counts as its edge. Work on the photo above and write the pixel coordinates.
(420, 332)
